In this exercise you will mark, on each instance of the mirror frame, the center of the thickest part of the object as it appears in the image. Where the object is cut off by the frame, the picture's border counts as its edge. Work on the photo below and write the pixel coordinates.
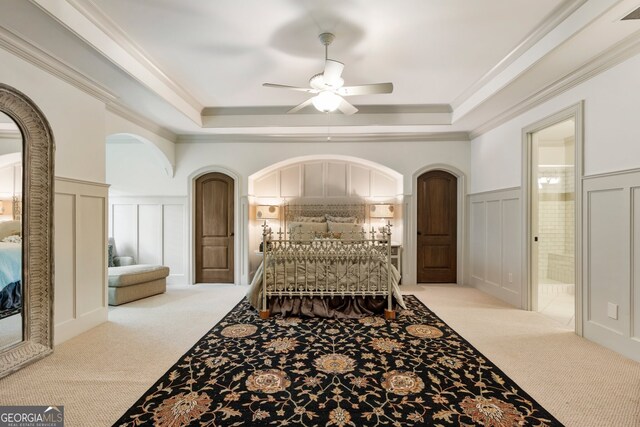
(37, 231)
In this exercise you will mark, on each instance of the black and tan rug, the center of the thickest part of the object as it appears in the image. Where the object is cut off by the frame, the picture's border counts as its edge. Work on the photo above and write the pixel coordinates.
(306, 372)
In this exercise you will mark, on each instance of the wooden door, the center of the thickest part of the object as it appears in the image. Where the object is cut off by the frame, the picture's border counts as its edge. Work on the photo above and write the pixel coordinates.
(214, 228)
(437, 227)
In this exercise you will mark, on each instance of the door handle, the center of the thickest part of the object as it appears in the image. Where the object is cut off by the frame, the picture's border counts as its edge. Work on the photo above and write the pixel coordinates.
(231, 235)
(419, 233)
(535, 239)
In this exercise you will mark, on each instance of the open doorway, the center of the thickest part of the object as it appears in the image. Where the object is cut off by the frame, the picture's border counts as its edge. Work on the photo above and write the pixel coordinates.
(552, 193)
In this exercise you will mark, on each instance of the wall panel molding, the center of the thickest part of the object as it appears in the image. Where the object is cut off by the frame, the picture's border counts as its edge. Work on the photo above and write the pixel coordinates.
(80, 257)
(611, 271)
(495, 244)
(322, 178)
(153, 230)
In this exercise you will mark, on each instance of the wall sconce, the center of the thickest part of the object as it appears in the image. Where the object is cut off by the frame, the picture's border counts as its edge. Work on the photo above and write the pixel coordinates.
(267, 212)
(382, 212)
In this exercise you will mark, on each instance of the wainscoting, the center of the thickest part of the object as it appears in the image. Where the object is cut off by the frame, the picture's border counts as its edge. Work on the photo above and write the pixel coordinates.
(611, 268)
(80, 215)
(495, 244)
(324, 178)
(153, 230)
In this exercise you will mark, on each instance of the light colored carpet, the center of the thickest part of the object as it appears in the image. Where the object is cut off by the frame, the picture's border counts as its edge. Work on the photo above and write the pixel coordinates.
(99, 374)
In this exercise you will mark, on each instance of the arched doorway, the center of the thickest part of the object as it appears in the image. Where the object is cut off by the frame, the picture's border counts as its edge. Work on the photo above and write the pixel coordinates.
(214, 228)
(437, 227)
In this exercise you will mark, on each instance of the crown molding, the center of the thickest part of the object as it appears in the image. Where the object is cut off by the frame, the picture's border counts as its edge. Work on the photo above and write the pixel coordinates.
(379, 115)
(32, 53)
(93, 13)
(298, 138)
(126, 113)
(362, 109)
(616, 54)
(100, 37)
(565, 30)
(550, 22)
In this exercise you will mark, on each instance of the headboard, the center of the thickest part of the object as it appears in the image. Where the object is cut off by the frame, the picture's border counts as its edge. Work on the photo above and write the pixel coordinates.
(359, 211)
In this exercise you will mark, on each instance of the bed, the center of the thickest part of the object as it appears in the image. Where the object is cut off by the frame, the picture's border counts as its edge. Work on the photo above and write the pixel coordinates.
(10, 278)
(329, 267)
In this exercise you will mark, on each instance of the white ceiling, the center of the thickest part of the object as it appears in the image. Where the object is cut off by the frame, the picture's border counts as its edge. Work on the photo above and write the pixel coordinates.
(196, 66)
(222, 51)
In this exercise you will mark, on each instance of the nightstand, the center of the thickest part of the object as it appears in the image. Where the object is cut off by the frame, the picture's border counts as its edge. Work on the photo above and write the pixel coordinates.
(396, 256)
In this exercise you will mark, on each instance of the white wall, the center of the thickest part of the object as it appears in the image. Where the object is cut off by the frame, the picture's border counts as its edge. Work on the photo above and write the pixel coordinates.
(612, 134)
(611, 143)
(131, 172)
(153, 230)
(78, 124)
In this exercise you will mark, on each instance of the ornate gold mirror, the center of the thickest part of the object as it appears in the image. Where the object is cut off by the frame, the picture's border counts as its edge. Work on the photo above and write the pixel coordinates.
(26, 232)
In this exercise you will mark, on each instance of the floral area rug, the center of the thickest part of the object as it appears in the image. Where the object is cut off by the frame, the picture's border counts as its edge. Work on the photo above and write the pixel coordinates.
(414, 370)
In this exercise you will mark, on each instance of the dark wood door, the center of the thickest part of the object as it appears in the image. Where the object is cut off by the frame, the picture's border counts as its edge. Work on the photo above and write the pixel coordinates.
(214, 228)
(437, 227)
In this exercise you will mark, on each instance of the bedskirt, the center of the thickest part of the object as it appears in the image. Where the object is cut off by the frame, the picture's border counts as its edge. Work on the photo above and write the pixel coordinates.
(329, 307)
(348, 306)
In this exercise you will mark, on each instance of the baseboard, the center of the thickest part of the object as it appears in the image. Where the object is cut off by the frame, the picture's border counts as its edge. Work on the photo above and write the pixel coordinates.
(72, 327)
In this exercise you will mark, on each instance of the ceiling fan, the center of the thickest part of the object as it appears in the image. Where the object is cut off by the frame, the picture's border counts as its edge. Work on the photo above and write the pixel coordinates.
(328, 86)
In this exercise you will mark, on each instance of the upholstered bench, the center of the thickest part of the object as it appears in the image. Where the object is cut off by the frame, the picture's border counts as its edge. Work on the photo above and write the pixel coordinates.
(133, 282)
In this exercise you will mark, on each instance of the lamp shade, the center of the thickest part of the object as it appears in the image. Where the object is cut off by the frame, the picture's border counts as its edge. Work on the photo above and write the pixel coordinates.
(267, 212)
(381, 211)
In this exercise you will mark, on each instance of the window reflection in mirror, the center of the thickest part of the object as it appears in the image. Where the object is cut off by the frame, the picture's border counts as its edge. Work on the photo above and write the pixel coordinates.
(11, 300)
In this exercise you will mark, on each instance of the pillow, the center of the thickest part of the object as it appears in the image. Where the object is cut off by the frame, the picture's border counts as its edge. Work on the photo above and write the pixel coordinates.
(309, 219)
(111, 262)
(306, 230)
(348, 231)
(10, 228)
(12, 239)
(349, 219)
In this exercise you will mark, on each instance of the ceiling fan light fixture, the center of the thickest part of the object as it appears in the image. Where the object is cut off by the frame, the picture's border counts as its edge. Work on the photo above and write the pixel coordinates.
(326, 101)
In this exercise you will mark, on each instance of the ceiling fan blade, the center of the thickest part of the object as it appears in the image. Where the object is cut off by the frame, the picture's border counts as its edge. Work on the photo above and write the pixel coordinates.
(346, 107)
(332, 72)
(299, 89)
(300, 106)
(366, 89)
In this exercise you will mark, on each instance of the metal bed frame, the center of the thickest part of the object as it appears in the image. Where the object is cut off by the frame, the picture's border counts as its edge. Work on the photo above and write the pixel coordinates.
(326, 255)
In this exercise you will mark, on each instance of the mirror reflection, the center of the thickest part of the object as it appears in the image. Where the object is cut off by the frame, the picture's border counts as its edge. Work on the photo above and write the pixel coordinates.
(11, 301)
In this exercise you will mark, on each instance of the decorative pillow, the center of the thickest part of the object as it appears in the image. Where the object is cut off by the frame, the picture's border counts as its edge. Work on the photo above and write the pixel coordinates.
(327, 235)
(348, 219)
(310, 219)
(111, 260)
(348, 231)
(13, 239)
(306, 230)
